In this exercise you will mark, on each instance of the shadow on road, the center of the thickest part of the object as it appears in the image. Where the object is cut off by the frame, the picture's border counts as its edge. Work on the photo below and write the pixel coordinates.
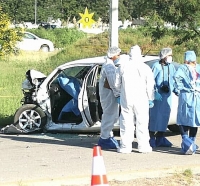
(85, 140)
(88, 140)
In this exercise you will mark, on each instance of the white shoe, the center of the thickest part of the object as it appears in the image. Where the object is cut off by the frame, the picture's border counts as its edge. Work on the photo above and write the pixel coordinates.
(124, 150)
(145, 150)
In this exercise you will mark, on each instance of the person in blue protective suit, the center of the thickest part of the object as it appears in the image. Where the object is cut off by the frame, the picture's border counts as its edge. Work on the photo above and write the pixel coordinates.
(163, 72)
(137, 94)
(187, 80)
(108, 93)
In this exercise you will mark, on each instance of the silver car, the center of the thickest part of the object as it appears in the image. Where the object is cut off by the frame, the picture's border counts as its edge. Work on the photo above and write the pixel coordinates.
(68, 98)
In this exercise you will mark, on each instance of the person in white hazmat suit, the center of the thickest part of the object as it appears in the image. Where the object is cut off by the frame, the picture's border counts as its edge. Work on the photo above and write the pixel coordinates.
(109, 92)
(137, 95)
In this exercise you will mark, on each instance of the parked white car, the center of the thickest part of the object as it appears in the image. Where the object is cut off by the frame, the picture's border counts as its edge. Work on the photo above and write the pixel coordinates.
(31, 42)
(68, 98)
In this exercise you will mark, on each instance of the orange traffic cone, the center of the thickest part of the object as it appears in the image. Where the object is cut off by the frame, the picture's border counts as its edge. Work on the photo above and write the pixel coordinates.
(99, 177)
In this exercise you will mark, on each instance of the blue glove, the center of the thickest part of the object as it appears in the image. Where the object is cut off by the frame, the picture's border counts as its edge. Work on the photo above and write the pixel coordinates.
(157, 96)
(151, 104)
(118, 100)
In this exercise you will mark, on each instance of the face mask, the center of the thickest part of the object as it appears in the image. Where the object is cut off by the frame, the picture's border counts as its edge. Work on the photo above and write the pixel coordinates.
(169, 59)
(116, 60)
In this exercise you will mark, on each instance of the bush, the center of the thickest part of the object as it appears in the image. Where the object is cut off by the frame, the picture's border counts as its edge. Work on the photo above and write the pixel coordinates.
(8, 36)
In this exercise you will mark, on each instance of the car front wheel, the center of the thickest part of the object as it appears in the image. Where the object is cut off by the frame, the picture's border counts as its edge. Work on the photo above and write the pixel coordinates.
(30, 118)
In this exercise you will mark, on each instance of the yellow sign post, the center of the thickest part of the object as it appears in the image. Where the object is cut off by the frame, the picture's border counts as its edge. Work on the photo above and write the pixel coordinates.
(86, 19)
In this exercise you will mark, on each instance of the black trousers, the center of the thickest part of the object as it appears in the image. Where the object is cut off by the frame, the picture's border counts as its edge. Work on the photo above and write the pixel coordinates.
(184, 130)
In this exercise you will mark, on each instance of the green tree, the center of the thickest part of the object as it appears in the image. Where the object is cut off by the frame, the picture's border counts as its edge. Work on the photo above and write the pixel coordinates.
(18, 10)
(184, 15)
(48, 8)
(24, 10)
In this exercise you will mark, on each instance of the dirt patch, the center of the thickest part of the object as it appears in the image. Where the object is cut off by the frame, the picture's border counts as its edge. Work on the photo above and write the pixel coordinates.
(177, 179)
(174, 180)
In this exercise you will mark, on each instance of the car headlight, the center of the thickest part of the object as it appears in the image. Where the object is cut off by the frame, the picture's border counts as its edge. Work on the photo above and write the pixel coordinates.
(26, 85)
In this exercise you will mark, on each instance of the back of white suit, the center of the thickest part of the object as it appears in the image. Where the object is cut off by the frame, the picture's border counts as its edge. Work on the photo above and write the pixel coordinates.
(136, 91)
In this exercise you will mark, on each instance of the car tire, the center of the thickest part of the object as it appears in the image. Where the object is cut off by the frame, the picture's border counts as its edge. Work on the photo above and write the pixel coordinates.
(30, 118)
(44, 48)
(174, 128)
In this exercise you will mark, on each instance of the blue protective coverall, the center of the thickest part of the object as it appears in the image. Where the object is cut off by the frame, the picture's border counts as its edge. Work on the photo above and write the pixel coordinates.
(188, 115)
(189, 98)
(160, 113)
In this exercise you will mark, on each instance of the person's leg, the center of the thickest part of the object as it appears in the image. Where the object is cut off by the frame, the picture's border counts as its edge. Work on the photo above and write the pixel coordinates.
(183, 130)
(110, 113)
(152, 140)
(142, 132)
(126, 130)
(160, 134)
(193, 133)
(109, 117)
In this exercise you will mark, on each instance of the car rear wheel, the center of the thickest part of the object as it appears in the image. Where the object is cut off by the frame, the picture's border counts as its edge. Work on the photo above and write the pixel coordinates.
(44, 48)
(30, 118)
(174, 128)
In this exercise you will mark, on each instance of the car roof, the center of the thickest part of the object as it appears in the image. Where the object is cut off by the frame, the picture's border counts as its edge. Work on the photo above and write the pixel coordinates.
(86, 61)
(148, 59)
(102, 59)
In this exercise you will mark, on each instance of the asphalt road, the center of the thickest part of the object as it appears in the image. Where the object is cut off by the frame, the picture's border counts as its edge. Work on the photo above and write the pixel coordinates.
(66, 159)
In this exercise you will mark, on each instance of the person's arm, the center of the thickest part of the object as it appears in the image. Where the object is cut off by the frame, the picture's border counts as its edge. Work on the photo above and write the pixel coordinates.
(172, 82)
(150, 83)
(181, 79)
(155, 70)
(114, 79)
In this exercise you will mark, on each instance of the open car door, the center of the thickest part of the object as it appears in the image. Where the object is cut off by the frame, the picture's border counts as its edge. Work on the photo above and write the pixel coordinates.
(87, 100)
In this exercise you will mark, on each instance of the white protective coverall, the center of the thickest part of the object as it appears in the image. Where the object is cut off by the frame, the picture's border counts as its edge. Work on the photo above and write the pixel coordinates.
(137, 88)
(109, 104)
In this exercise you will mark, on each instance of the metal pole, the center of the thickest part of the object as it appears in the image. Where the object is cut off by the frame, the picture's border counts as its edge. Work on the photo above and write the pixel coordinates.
(35, 12)
(113, 23)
